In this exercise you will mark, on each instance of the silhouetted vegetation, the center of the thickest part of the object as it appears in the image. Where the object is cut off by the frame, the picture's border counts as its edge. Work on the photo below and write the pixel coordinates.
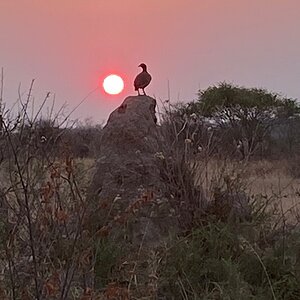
(233, 242)
(245, 122)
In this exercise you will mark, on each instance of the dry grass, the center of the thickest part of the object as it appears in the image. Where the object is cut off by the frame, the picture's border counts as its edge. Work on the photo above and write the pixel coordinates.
(269, 179)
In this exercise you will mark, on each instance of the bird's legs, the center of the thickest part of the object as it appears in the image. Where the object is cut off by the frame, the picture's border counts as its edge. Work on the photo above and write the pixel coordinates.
(138, 92)
(144, 92)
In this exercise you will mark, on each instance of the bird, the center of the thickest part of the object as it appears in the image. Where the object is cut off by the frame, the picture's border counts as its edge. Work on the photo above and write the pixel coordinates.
(142, 79)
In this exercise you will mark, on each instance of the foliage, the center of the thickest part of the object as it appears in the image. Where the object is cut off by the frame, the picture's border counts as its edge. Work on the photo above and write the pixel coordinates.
(218, 262)
(244, 116)
(230, 103)
(45, 253)
(107, 254)
(233, 251)
(220, 251)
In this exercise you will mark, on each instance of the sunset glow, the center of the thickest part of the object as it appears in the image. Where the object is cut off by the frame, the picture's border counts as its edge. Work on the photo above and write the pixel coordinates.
(73, 45)
(113, 84)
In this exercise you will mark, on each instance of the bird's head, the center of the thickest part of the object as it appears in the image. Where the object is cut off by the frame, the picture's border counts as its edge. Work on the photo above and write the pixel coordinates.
(143, 66)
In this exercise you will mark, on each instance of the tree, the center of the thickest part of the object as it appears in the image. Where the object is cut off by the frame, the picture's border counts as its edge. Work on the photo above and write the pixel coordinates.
(247, 113)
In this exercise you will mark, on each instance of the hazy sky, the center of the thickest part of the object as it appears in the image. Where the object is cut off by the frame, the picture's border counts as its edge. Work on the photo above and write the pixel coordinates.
(68, 46)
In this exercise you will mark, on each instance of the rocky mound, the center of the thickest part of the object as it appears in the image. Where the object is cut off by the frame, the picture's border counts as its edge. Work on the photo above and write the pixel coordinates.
(127, 189)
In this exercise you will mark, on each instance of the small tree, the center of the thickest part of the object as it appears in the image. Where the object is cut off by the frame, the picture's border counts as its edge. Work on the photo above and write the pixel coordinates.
(247, 114)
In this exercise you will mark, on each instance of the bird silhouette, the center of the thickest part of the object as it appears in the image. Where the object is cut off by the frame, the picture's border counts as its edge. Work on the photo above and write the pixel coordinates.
(142, 80)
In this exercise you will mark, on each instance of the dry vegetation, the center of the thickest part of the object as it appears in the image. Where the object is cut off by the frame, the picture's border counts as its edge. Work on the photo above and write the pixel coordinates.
(242, 242)
(270, 179)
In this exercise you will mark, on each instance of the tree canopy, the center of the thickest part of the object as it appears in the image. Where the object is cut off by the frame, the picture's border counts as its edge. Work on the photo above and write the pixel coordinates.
(229, 102)
(247, 114)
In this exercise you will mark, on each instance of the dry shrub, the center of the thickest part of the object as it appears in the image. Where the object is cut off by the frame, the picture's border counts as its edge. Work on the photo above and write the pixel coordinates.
(45, 251)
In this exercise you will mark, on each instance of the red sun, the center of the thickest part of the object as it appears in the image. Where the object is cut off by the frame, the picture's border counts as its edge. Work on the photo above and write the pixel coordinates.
(113, 84)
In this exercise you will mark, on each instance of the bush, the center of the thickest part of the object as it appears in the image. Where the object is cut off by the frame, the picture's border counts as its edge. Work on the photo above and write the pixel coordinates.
(45, 251)
(218, 262)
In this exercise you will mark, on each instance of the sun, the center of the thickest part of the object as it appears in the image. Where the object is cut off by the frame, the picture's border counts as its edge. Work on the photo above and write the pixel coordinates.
(113, 84)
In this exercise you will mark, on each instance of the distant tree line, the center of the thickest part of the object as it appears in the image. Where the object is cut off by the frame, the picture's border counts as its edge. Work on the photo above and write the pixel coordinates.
(46, 137)
(225, 120)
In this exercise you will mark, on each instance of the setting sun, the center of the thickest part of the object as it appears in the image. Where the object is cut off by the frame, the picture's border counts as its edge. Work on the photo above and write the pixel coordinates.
(113, 84)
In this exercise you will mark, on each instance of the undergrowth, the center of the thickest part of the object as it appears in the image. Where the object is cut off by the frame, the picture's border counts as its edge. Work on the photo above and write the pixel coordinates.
(230, 245)
(224, 261)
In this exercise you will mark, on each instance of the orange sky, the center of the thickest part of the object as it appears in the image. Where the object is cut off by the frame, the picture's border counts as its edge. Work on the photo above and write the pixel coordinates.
(67, 45)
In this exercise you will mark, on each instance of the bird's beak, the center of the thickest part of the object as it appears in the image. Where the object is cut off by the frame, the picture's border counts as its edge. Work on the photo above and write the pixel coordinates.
(139, 65)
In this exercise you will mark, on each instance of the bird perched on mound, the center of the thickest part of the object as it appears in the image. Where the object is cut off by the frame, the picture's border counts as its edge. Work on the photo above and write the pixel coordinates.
(142, 80)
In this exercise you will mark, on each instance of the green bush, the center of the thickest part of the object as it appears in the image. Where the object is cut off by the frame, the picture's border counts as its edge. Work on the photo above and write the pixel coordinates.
(107, 254)
(215, 262)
